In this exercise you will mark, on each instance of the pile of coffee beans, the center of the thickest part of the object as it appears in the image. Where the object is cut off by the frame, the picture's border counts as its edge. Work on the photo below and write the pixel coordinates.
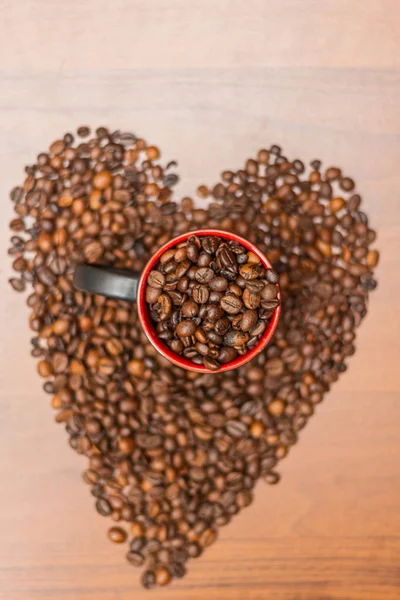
(173, 455)
(211, 299)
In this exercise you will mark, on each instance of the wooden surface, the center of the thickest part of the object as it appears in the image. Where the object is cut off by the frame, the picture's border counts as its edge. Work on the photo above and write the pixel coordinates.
(211, 82)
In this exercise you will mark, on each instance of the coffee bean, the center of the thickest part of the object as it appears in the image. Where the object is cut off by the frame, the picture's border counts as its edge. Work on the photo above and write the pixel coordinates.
(44, 368)
(207, 538)
(218, 284)
(254, 286)
(236, 338)
(232, 305)
(156, 279)
(103, 507)
(372, 258)
(102, 180)
(200, 293)
(17, 284)
(272, 478)
(117, 535)
(152, 294)
(192, 251)
(149, 441)
(211, 363)
(204, 260)
(135, 558)
(272, 276)
(148, 579)
(163, 576)
(250, 271)
(106, 366)
(200, 335)
(190, 308)
(269, 292)
(59, 362)
(222, 326)
(178, 570)
(186, 328)
(93, 251)
(135, 367)
(165, 303)
(249, 319)
(237, 429)
(347, 184)
(251, 300)
(214, 338)
(46, 276)
(226, 259)
(114, 346)
(204, 275)
(276, 407)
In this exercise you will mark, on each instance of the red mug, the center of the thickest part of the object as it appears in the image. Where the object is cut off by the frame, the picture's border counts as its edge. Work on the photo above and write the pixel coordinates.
(130, 286)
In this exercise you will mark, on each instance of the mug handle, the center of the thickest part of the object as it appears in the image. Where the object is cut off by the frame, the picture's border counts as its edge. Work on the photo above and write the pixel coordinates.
(107, 281)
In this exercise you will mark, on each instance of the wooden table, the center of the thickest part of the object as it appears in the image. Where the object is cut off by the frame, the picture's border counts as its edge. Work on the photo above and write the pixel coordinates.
(211, 82)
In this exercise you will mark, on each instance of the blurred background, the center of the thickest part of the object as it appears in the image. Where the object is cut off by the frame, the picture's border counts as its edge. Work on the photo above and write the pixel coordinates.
(210, 83)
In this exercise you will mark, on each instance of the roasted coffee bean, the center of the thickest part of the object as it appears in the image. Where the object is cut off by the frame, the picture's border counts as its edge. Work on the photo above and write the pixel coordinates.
(135, 558)
(271, 276)
(249, 319)
(174, 455)
(250, 271)
(210, 244)
(255, 286)
(176, 297)
(215, 297)
(211, 363)
(236, 338)
(178, 570)
(186, 328)
(202, 348)
(214, 313)
(152, 294)
(117, 535)
(200, 293)
(17, 284)
(272, 478)
(148, 579)
(237, 429)
(165, 303)
(156, 279)
(227, 355)
(226, 259)
(163, 576)
(269, 292)
(214, 338)
(251, 300)
(200, 335)
(190, 308)
(204, 260)
(218, 284)
(231, 304)
(258, 329)
(222, 326)
(192, 251)
(103, 507)
(204, 275)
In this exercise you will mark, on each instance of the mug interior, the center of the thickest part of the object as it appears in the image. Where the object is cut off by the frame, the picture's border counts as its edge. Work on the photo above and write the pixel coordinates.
(150, 329)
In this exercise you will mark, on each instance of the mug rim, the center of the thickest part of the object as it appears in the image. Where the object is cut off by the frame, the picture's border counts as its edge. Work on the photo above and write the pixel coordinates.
(149, 327)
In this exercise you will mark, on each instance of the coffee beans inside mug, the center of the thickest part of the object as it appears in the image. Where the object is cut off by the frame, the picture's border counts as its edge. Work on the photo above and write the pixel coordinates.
(211, 299)
(173, 455)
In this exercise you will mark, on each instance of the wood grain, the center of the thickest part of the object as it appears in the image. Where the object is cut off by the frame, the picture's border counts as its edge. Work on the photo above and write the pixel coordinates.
(211, 82)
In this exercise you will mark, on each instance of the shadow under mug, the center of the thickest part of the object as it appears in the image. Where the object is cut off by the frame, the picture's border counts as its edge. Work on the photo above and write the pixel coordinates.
(127, 285)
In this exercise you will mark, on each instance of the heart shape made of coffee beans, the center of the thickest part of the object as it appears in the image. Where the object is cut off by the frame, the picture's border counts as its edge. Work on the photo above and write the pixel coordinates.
(174, 455)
